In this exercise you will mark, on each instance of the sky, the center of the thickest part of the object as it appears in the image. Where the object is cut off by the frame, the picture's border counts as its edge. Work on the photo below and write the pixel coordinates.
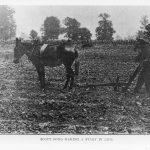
(125, 18)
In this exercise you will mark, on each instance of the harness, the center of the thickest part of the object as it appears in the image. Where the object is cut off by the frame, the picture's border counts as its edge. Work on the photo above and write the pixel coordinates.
(38, 57)
(34, 55)
(42, 48)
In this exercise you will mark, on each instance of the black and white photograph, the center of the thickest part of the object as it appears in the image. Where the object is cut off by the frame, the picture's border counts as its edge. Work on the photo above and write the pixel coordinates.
(75, 70)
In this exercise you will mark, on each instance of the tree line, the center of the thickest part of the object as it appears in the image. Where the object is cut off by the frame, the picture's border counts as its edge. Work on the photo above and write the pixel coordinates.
(72, 30)
(51, 29)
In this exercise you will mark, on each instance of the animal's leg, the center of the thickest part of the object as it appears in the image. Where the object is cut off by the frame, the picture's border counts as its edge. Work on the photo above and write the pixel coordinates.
(72, 78)
(67, 81)
(41, 74)
(70, 75)
(43, 77)
(38, 73)
(67, 76)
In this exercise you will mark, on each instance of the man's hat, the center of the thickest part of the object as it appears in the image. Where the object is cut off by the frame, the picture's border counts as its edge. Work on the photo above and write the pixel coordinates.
(143, 40)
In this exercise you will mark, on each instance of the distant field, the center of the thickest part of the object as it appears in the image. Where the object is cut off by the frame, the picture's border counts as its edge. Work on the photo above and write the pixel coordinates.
(24, 109)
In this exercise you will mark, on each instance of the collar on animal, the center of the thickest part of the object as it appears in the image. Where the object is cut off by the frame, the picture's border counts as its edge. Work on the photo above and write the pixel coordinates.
(32, 52)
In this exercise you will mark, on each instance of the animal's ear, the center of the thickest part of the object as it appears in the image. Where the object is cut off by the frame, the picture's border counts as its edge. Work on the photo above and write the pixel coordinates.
(35, 41)
(19, 39)
(16, 40)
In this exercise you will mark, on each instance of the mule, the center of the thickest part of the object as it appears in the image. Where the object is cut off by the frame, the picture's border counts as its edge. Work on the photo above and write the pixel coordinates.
(49, 55)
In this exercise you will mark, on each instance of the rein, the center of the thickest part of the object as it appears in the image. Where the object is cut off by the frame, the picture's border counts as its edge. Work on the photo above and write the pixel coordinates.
(41, 45)
(33, 50)
(32, 54)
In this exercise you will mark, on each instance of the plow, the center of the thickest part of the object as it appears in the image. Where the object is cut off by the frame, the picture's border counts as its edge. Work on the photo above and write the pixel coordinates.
(116, 83)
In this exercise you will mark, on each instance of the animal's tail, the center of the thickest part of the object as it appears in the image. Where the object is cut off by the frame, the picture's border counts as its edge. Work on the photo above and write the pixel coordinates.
(76, 62)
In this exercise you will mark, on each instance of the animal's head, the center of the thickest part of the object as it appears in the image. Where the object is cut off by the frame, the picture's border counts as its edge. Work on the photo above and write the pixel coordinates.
(17, 51)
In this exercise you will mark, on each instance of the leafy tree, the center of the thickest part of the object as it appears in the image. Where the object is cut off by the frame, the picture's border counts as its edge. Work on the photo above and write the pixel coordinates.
(105, 30)
(63, 30)
(72, 30)
(144, 22)
(130, 37)
(33, 34)
(7, 22)
(140, 34)
(51, 28)
(84, 34)
(146, 33)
